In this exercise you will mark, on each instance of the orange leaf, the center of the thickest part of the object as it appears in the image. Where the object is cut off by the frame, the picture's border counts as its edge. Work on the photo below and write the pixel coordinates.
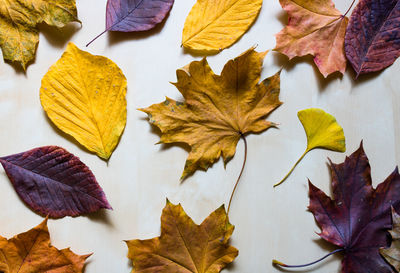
(183, 246)
(31, 252)
(315, 27)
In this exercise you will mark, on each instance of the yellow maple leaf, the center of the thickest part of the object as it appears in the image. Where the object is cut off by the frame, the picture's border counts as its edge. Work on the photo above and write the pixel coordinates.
(316, 28)
(31, 252)
(19, 35)
(183, 246)
(84, 96)
(322, 131)
(213, 25)
(218, 110)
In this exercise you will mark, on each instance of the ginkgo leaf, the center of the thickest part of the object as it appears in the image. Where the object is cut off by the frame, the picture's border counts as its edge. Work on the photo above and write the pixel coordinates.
(19, 34)
(392, 254)
(316, 28)
(183, 246)
(54, 182)
(218, 110)
(373, 36)
(32, 252)
(213, 25)
(133, 16)
(322, 131)
(84, 96)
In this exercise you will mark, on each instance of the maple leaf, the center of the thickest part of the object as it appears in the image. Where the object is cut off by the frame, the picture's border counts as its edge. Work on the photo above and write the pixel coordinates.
(84, 96)
(132, 16)
(316, 28)
(183, 246)
(218, 110)
(373, 35)
(215, 25)
(54, 182)
(31, 252)
(358, 216)
(19, 34)
(392, 254)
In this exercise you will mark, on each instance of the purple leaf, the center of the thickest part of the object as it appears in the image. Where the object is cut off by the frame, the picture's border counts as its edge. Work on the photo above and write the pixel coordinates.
(358, 216)
(135, 15)
(372, 40)
(54, 182)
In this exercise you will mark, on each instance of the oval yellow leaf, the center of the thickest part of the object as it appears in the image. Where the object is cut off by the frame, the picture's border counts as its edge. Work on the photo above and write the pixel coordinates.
(84, 96)
(322, 131)
(213, 25)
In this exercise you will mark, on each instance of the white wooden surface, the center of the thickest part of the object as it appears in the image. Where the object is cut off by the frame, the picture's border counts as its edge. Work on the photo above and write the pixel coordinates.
(270, 223)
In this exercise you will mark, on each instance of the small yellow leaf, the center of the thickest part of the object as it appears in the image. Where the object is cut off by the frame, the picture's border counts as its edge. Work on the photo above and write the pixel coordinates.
(84, 96)
(213, 25)
(19, 33)
(322, 131)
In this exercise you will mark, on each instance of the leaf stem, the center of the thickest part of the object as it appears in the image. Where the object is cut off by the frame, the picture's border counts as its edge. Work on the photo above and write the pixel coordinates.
(275, 262)
(291, 170)
(95, 38)
(349, 8)
(241, 172)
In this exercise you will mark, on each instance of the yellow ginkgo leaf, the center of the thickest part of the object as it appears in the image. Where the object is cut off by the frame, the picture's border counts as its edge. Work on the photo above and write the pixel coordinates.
(84, 96)
(213, 25)
(322, 131)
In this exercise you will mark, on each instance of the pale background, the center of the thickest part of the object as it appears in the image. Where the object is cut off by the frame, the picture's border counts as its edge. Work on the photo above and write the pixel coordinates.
(270, 223)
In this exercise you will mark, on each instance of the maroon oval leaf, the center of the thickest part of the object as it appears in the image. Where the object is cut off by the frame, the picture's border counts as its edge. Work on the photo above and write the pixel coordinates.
(135, 15)
(358, 216)
(372, 40)
(54, 182)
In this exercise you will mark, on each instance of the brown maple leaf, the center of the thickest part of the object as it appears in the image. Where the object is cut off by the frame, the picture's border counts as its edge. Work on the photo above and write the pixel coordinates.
(183, 246)
(218, 109)
(316, 28)
(31, 252)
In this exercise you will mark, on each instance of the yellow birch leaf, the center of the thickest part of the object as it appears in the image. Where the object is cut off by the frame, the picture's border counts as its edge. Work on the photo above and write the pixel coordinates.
(84, 96)
(19, 34)
(183, 246)
(213, 25)
(218, 109)
(31, 252)
(322, 131)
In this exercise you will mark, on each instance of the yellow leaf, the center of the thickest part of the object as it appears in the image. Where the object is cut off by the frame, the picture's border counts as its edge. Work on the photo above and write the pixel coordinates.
(322, 131)
(183, 246)
(84, 96)
(18, 25)
(32, 252)
(218, 110)
(213, 25)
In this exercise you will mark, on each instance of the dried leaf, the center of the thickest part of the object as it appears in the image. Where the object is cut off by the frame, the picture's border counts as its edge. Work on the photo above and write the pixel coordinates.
(358, 216)
(373, 36)
(213, 25)
(19, 34)
(322, 131)
(316, 28)
(133, 16)
(218, 110)
(31, 252)
(392, 254)
(184, 246)
(84, 96)
(53, 182)
(128, 16)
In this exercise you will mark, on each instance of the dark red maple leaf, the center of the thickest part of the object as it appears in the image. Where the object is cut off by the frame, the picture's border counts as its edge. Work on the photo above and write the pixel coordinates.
(358, 216)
